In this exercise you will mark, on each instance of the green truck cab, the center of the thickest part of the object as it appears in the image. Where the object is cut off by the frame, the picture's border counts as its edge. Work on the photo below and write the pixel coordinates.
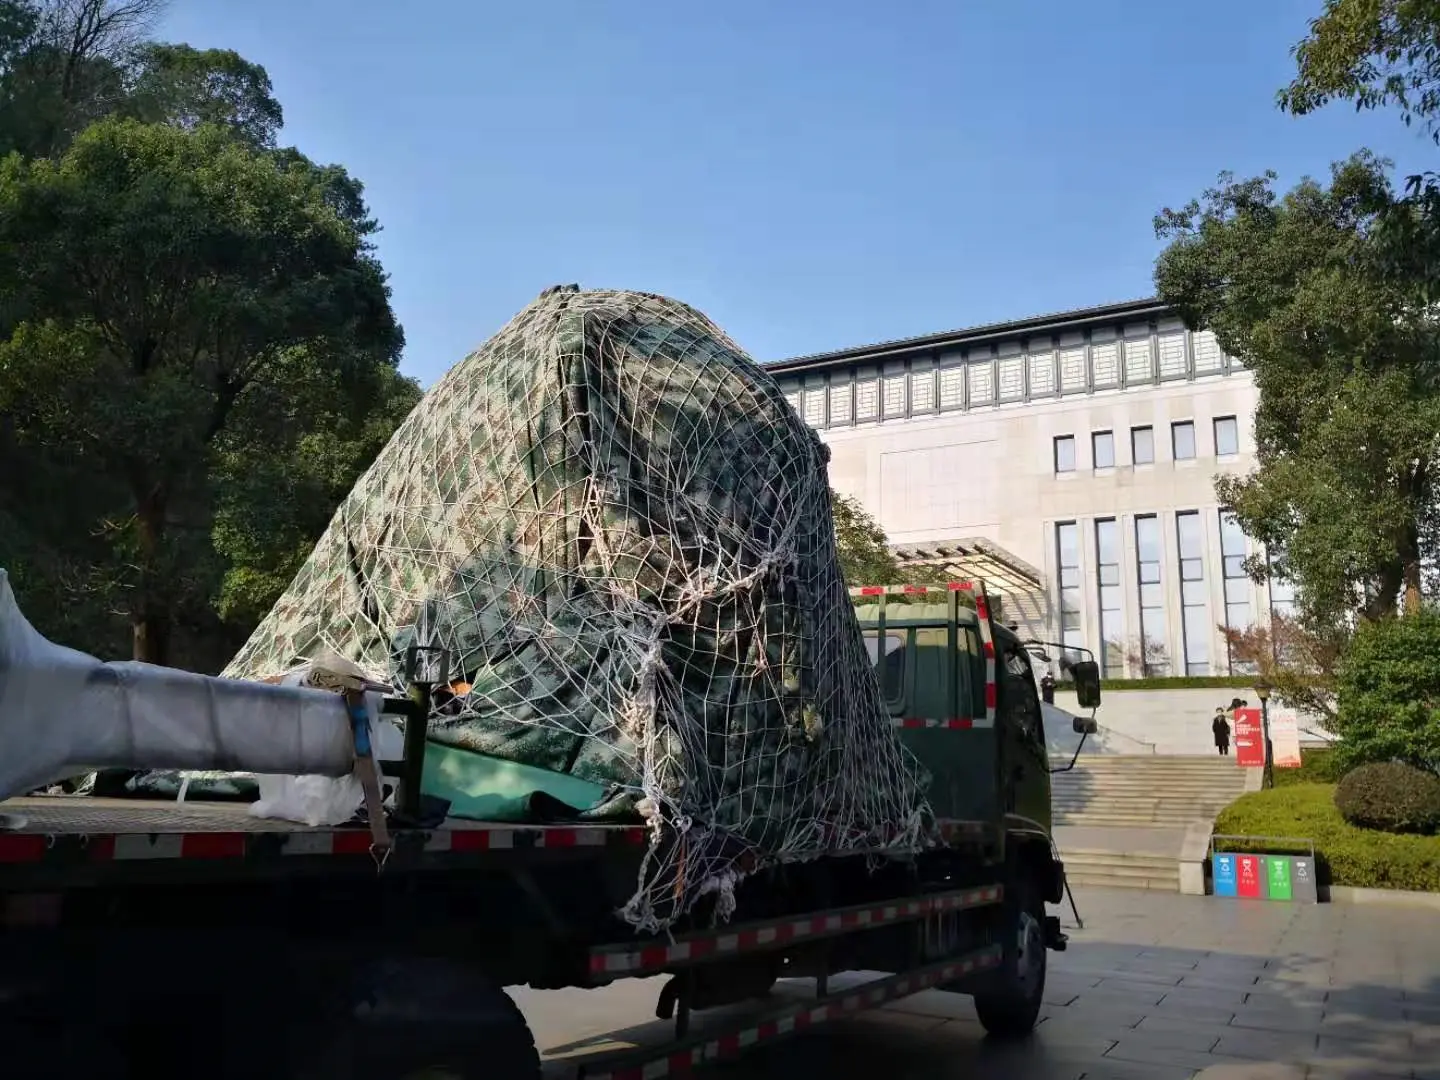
(977, 727)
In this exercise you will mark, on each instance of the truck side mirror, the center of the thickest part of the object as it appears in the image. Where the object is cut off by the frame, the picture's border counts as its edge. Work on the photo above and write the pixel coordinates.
(1086, 674)
(1085, 725)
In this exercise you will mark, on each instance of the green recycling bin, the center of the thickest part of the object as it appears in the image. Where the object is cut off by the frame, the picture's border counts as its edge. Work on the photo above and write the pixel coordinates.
(1279, 880)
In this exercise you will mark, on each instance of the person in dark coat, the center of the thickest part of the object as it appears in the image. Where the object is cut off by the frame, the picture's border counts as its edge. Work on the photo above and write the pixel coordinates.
(1221, 727)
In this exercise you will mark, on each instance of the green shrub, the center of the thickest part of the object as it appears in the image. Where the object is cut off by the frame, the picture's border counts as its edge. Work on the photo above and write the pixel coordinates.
(1387, 692)
(1390, 796)
(1345, 855)
(1317, 766)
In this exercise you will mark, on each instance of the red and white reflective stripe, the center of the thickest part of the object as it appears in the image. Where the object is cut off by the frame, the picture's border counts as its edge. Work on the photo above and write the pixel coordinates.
(130, 847)
(911, 723)
(976, 591)
(681, 1061)
(619, 960)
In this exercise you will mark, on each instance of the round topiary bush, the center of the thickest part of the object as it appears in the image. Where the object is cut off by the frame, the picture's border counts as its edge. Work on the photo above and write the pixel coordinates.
(1390, 796)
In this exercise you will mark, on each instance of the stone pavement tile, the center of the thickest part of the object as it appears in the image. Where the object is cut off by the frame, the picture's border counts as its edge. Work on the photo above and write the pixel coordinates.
(1201, 1014)
(1136, 978)
(1361, 1070)
(1255, 1070)
(1391, 1050)
(1295, 990)
(1364, 1000)
(1421, 1014)
(1303, 1019)
(1210, 998)
(937, 1003)
(1349, 1026)
(1140, 1051)
(1115, 1069)
(1270, 999)
(1267, 1045)
(895, 1018)
(1155, 967)
(1177, 1036)
(1122, 991)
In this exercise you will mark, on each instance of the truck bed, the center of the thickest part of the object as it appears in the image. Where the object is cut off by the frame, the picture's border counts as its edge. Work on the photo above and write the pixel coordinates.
(77, 838)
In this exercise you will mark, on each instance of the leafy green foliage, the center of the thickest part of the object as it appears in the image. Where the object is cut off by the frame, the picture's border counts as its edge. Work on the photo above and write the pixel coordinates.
(1318, 765)
(1300, 290)
(1374, 53)
(160, 281)
(1346, 855)
(185, 87)
(865, 558)
(1390, 796)
(1389, 693)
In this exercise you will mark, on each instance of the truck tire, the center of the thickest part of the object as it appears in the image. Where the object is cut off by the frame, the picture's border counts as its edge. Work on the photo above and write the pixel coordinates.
(407, 1018)
(1009, 1008)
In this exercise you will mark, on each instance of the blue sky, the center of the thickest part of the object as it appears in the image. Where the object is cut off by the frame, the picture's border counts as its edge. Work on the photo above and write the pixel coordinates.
(811, 175)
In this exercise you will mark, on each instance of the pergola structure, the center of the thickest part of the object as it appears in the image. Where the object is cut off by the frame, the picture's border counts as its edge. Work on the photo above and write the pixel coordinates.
(975, 558)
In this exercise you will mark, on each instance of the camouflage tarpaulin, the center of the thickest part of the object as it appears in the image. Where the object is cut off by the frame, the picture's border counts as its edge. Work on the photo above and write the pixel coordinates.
(622, 533)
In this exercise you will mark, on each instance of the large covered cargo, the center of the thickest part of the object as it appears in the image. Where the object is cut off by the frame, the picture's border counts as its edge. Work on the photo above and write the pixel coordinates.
(620, 533)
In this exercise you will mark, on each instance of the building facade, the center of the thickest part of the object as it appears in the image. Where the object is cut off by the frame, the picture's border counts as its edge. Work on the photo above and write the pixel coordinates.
(1070, 461)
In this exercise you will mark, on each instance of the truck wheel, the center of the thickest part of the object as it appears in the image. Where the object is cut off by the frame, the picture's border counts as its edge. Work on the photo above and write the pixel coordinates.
(1010, 1009)
(415, 1019)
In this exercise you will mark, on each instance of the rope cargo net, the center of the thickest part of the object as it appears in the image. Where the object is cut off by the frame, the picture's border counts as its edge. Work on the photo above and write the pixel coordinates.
(621, 532)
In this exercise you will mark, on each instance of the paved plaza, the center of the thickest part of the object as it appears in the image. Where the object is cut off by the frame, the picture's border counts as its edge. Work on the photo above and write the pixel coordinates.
(1156, 986)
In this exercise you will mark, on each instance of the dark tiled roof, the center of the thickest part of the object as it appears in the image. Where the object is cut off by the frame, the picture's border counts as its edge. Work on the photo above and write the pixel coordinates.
(1057, 321)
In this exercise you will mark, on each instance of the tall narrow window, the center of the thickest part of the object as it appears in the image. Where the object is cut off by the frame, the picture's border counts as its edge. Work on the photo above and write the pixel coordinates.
(1227, 436)
(1112, 604)
(1237, 582)
(1182, 440)
(1064, 453)
(1067, 544)
(1282, 592)
(1142, 445)
(1153, 656)
(1194, 618)
(1102, 446)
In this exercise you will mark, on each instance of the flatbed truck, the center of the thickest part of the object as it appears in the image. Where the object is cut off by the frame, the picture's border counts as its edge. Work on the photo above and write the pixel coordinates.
(143, 939)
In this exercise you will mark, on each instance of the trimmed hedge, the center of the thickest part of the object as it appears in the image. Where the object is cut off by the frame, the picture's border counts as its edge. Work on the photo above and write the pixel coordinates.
(1390, 796)
(1346, 855)
(1318, 765)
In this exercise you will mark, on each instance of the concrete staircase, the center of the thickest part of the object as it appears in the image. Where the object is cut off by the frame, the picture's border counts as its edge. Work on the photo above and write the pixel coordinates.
(1122, 869)
(1127, 821)
(1148, 792)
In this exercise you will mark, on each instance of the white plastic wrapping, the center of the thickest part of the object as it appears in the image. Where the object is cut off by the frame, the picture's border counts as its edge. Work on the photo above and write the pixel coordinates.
(62, 712)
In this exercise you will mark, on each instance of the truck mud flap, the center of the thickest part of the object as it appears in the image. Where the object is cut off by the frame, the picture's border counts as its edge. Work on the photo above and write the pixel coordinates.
(681, 1058)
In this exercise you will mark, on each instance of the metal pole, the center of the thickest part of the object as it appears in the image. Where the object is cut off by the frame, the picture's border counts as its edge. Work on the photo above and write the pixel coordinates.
(1268, 778)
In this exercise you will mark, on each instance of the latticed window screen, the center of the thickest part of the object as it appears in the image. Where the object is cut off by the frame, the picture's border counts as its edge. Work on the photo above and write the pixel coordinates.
(1042, 373)
(1208, 357)
(952, 387)
(815, 406)
(982, 382)
(1072, 369)
(793, 397)
(922, 390)
(894, 395)
(1138, 364)
(840, 401)
(1105, 363)
(1012, 378)
(867, 399)
(1172, 354)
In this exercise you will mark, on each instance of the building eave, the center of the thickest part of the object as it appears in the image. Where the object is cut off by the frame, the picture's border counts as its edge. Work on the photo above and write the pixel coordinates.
(1056, 322)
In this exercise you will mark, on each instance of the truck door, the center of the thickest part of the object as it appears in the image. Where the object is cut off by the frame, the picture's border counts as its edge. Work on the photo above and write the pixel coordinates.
(1027, 761)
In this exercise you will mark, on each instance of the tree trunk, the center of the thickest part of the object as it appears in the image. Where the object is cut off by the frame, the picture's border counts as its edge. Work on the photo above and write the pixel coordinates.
(150, 612)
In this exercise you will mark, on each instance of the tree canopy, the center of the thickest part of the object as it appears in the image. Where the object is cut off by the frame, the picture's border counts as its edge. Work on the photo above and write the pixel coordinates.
(1343, 350)
(1374, 53)
(197, 350)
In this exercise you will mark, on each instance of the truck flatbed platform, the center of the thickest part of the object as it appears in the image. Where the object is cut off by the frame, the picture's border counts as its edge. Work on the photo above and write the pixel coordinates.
(83, 837)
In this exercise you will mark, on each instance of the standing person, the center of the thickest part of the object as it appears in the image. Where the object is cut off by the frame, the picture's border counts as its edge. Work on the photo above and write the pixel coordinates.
(1221, 727)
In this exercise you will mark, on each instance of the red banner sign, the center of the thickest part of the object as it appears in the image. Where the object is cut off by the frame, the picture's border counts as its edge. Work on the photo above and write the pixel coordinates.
(1249, 740)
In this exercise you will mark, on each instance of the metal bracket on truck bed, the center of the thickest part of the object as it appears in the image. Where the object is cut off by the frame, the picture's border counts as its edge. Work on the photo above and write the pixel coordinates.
(640, 958)
(679, 1059)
